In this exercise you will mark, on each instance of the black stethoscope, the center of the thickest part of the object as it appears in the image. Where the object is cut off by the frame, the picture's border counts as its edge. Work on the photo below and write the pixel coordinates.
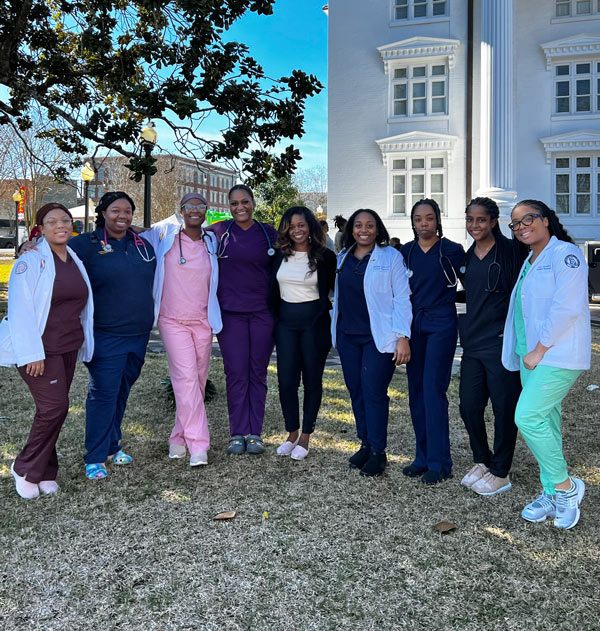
(493, 265)
(442, 257)
(182, 260)
(107, 247)
(357, 271)
(224, 241)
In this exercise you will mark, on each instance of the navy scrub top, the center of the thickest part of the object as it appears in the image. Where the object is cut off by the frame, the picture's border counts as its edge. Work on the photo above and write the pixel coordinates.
(121, 282)
(428, 283)
(353, 314)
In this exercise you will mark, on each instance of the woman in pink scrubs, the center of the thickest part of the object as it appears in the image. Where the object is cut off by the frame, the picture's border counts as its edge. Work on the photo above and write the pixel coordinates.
(187, 310)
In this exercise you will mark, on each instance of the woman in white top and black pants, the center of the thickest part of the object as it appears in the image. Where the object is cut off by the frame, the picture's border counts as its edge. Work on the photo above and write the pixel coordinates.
(303, 276)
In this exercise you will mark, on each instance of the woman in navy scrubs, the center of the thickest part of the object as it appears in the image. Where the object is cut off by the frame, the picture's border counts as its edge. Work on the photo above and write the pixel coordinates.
(121, 266)
(492, 265)
(433, 264)
(371, 326)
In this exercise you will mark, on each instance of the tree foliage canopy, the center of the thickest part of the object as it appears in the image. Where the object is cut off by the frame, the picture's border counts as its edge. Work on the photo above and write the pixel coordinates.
(100, 68)
(273, 197)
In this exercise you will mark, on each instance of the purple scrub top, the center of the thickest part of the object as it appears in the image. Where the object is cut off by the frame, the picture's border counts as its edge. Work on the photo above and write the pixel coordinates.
(244, 273)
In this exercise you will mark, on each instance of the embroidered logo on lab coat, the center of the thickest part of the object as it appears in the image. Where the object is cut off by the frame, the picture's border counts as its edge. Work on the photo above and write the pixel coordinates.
(21, 267)
(572, 261)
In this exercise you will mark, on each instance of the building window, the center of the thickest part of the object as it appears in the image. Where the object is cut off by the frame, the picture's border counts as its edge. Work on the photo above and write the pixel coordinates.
(420, 90)
(577, 87)
(411, 9)
(414, 178)
(570, 8)
(577, 184)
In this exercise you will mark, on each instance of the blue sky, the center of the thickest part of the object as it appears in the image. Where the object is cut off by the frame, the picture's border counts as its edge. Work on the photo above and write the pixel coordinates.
(295, 36)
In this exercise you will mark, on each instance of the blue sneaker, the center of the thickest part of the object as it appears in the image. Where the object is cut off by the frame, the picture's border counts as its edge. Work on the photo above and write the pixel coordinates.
(540, 509)
(567, 505)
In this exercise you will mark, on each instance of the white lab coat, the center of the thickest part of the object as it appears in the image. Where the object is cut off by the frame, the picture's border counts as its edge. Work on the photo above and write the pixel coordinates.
(162, 237)
(554, 297)
(387, 293)
(30, 289)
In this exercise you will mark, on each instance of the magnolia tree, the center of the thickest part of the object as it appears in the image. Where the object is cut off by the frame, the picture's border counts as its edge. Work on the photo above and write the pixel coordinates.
(101, 69)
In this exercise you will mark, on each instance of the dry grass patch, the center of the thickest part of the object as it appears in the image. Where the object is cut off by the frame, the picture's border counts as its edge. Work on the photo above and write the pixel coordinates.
(140, 550)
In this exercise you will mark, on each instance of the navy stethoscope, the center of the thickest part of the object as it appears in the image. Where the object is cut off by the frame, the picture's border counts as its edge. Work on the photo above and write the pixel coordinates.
(493, 265)
(442, 258)
(224, 241)
(107, 247)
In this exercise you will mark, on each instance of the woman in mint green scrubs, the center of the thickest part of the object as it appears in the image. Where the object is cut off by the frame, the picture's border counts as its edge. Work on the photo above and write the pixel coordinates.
(547, 337)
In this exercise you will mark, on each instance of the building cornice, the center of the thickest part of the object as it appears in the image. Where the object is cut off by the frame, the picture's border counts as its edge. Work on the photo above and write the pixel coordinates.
(587, 140)
(414, 141)
(416, 47)
(576, 46)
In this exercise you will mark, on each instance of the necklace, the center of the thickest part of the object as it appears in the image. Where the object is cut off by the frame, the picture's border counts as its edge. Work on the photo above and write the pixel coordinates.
(482, 255)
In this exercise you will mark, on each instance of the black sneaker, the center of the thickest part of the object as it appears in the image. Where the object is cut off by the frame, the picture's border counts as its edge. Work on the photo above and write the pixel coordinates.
(358, 460)
(375, 465)
(412, 471)
(433, 477)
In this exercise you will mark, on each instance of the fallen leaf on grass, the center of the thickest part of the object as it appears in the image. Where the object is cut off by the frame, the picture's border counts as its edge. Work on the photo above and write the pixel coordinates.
(266, 515)
(5, 419)
(444, 527)
(230, 514)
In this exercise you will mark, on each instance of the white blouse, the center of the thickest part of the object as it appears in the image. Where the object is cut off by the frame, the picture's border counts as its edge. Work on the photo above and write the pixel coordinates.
(296, 282)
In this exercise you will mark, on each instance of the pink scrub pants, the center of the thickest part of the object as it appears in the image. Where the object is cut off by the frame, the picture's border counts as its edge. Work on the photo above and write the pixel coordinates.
(189, 346)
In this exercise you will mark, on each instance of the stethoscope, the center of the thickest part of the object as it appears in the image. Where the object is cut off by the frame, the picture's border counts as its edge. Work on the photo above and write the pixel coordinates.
(224, 241)
(107, 247)
(357, 271)
(493, 265)
(442, 257)
(182, 260)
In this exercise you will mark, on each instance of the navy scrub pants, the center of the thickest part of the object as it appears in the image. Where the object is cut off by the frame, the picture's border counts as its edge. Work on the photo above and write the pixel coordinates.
(367, 374)
(114, 368)
(432, 348)
(483, 377)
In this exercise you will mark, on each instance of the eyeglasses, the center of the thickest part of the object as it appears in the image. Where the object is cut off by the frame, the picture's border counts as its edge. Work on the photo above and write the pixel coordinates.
(527, 220)
(194, 207)
(52, 223)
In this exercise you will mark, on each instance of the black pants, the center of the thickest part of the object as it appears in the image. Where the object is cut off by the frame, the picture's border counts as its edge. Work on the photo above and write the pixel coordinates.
(483, 377)
(303, 339)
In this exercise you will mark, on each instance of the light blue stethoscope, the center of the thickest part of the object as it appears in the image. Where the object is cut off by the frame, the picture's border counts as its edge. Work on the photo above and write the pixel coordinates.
(224, 241)
(442, 258)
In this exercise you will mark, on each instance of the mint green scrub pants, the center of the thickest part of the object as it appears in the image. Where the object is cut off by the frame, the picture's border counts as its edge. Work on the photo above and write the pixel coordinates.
(538, 413)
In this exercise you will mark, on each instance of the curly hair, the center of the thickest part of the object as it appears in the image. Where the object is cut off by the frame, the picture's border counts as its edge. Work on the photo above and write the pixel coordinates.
(316, 237)
(438, 216)
(382, 239)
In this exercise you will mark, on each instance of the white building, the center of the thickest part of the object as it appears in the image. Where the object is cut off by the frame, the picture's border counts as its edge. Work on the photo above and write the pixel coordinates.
(415, 112)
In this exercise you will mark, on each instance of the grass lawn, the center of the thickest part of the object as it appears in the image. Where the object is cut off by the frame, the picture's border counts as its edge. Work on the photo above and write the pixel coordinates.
(313, 546)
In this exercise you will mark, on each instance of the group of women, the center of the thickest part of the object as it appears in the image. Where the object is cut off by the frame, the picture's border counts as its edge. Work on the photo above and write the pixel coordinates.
(97, 298)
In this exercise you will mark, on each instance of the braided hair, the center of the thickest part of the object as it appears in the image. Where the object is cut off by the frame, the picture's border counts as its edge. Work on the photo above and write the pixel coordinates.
(555, 228)
(438, 216)
(492, 210)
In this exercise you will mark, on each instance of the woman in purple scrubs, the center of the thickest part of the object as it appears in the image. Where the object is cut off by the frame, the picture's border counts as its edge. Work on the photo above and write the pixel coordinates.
(245, 252)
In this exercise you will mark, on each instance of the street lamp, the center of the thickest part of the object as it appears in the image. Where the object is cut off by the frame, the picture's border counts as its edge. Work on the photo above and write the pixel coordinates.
(17, 200)
(87, 175)
(148, 142)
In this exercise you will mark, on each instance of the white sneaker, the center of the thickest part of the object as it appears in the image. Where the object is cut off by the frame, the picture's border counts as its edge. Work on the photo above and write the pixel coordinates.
(198, 459)
(491, 484)
(540, 509)
(299, 453)
(177, 451)
(27, 490)
(567, 504)
(48, 487)
(474, 474)
(286, 448)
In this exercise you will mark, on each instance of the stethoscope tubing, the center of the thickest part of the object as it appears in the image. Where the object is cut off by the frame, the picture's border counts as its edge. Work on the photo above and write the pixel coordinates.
(441, 258)
(225, 236)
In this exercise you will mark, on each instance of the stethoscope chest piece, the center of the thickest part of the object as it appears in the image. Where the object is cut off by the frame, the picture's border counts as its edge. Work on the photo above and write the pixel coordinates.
(271, 252)
(107, 248)
(462, 269)
(409, 273)
(181, 261)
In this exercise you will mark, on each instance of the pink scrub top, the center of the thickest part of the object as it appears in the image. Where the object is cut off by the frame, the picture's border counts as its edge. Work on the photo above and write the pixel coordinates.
(186, 287)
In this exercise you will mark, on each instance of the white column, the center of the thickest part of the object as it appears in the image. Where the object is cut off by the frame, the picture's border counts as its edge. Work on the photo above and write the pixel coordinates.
(497, 142)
